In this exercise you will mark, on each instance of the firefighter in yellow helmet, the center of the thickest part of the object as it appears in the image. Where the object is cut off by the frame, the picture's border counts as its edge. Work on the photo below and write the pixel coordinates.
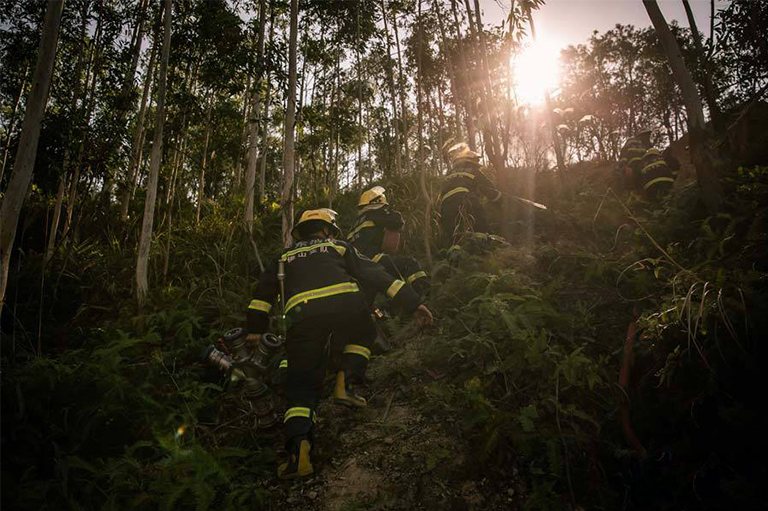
(376, 235)
(323, 304)
(460, 207)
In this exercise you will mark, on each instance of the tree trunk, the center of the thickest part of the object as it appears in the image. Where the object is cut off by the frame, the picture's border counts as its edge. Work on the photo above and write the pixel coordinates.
(359, 100)
(243, 139)
(403, 110)
(253, 148)
(201, 181)
(265, 142)
(265, 118)
(706, 174)
(705, 63)
(26, 153)
(142, 261)
(423, 170)
(286, 200)
(130, 74)
(451, 71)
(12, 123)
(468, 102)
(391, 82)
(178, 161)
(51, 245)
(138, 136)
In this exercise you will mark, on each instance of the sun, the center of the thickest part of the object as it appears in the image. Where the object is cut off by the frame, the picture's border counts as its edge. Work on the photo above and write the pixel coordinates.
(535, 69)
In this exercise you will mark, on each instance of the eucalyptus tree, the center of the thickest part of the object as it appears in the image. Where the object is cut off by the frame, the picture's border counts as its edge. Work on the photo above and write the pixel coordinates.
(700, 152)
(142, 261)
(28, 141)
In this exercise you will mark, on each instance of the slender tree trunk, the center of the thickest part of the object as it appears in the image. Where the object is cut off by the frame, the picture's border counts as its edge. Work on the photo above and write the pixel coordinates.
(403, 92)
(704, 62)
(178, 159)
(243, 139)
(451, 70)
(265, 142)
(12, 122)
(706, 173)
(359, 100)
(253, 149)
(63, 178)
(26, 153)
(51, 245)
(138, 138)
(468, 98)
(88, 102)
(130, 73)
(265, 118)
(423, 172)
(286, 200)
(201, 181)
(142, 261)
(391, 82)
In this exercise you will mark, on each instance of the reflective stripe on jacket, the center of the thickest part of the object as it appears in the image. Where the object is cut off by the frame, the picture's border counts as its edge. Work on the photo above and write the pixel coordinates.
(655, 171)
(323, 276)
(631, 155)
(466, 178)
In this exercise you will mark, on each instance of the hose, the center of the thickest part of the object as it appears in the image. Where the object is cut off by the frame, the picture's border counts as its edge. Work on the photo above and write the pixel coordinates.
(624, 375)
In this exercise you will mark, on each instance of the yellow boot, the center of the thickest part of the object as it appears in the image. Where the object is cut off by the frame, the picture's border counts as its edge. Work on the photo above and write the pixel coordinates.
(298, 464)
(343, 395)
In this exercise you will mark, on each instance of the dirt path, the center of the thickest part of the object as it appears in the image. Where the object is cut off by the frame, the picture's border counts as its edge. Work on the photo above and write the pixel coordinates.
(395, 454)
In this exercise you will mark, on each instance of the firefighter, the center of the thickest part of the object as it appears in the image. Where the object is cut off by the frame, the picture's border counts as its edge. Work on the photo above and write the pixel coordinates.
(657, 176)
(460, 207)
(629, 169)
(322, 303)
(376, 235)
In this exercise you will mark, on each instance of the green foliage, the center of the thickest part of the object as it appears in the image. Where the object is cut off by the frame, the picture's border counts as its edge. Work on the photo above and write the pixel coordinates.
(533, 345)
(123, 422)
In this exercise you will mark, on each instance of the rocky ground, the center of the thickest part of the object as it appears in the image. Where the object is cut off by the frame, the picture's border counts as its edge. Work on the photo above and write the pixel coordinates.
(396, 454)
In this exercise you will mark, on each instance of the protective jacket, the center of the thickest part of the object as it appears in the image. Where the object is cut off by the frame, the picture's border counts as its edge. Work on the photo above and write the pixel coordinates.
(368, 233)
(631, 156)
(657, 177)
(460, 207)
(466, 179)
(323, 276)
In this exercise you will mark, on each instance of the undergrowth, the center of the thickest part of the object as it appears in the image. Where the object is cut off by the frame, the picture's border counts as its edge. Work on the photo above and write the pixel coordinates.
(104, 408)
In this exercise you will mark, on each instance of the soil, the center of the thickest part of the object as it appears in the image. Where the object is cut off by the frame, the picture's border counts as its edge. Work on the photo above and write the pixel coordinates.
(395, 454)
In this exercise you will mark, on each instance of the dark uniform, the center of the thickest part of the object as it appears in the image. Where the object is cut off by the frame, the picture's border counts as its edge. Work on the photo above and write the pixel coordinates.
(657, 177)
(460, 207)
(367, 236)
(631, 156)
(323, 280)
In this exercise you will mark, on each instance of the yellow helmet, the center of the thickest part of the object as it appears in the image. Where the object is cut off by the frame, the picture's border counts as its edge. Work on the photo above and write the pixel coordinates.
(325, 215)
(452, 148)
(465, 155)
(373, 196)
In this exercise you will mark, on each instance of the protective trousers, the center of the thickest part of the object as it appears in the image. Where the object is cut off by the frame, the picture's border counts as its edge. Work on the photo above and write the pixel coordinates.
(307, 347)
(460, 214)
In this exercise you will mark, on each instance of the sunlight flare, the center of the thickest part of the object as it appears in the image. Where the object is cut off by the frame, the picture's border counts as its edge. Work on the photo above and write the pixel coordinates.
(535, 69)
